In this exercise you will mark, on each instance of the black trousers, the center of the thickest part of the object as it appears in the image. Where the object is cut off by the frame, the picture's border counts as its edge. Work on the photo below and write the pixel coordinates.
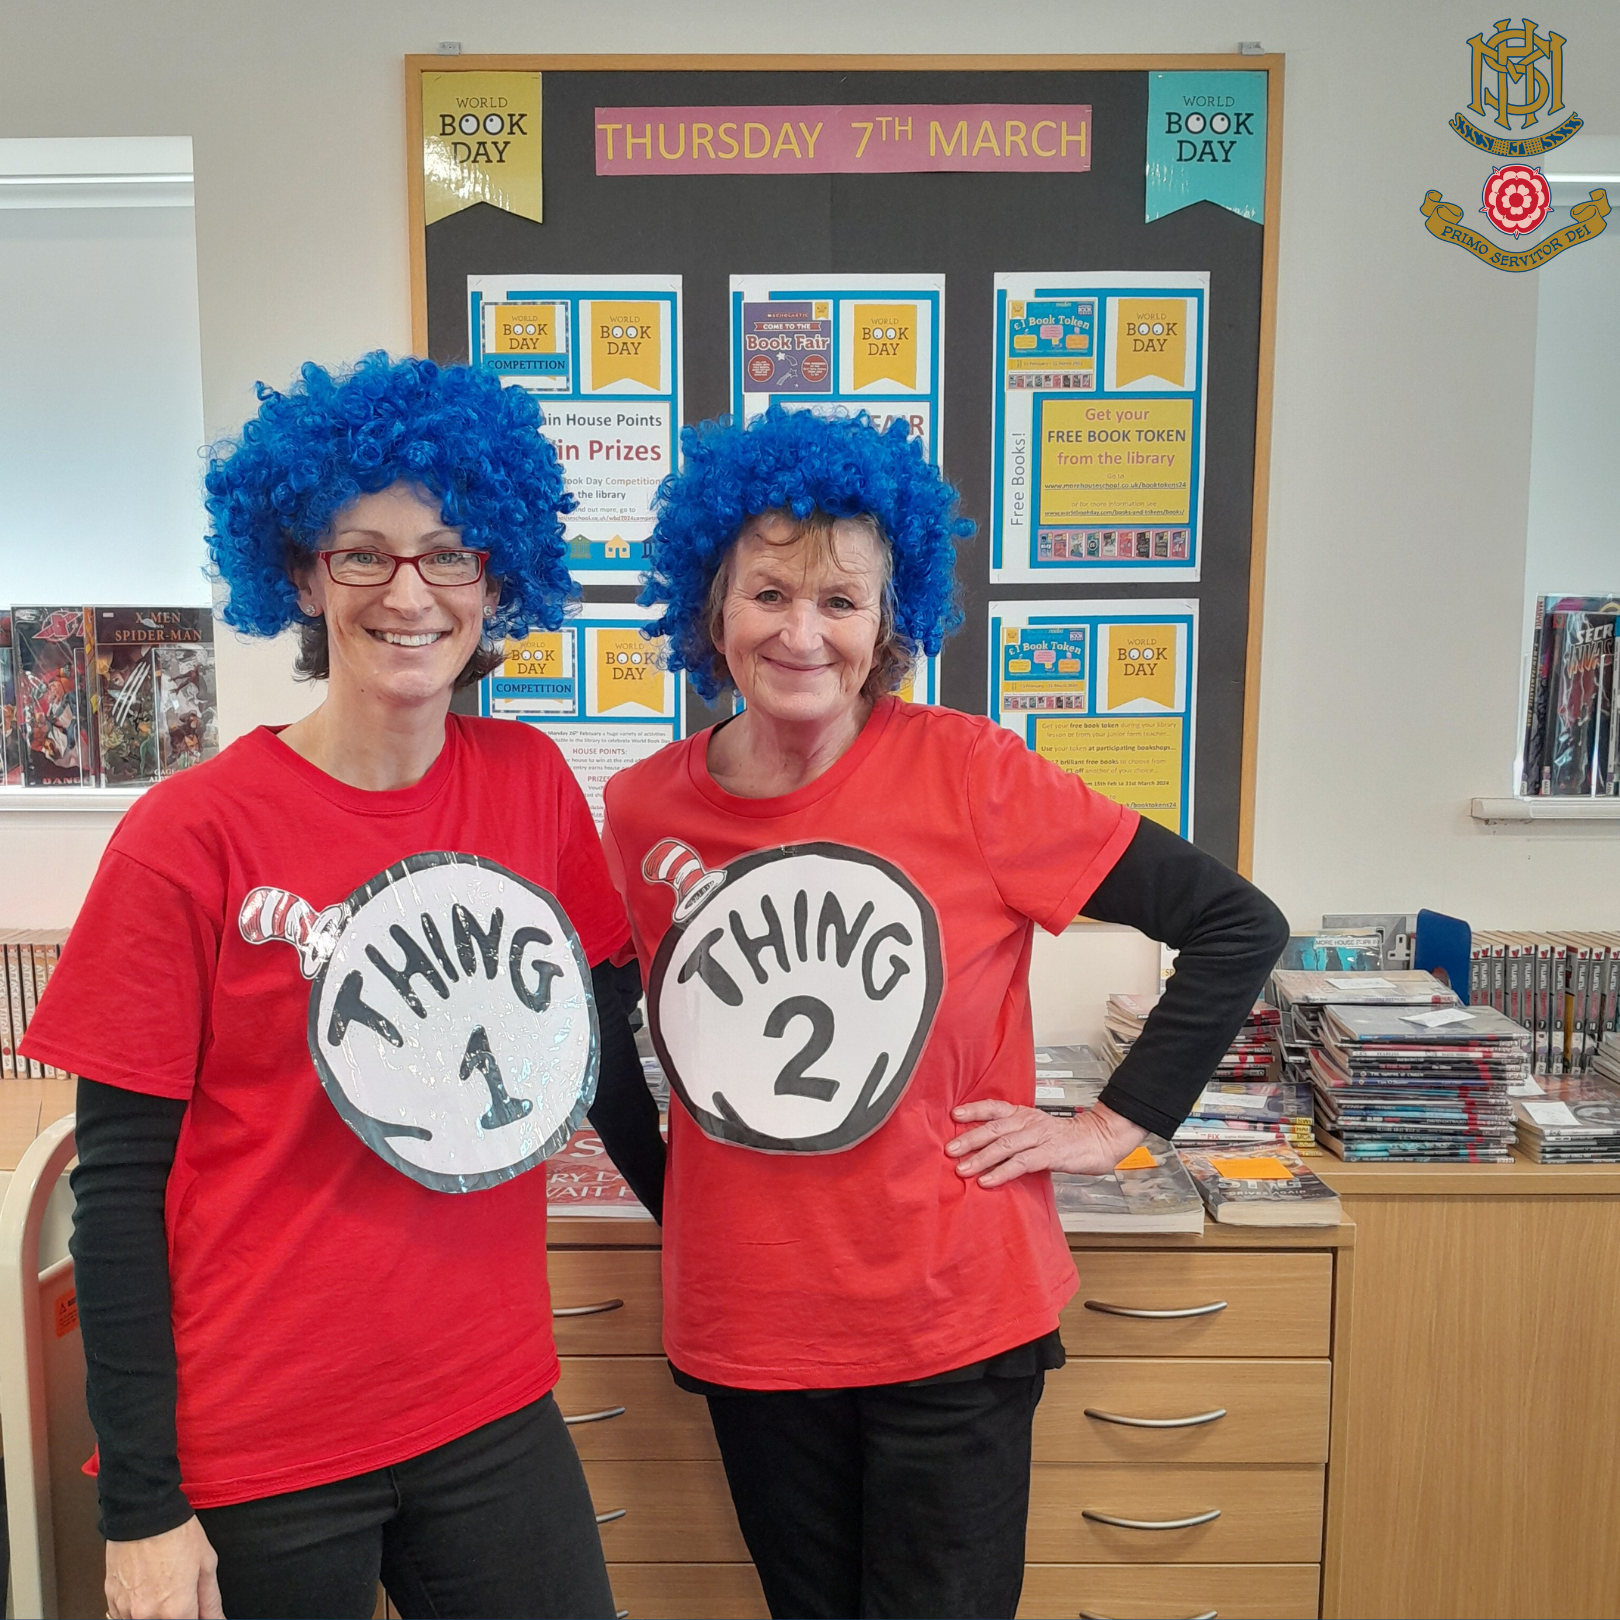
(894, 1500)
(496, 1523)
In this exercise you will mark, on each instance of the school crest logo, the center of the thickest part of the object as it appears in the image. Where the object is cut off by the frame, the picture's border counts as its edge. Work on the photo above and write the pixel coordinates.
(1515, 84)
(451, 1019)
(794, 992)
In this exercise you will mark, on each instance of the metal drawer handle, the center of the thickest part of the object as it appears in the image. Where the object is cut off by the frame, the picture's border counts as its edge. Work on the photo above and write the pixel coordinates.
(1154, 1423)
(1150, 1524)
(1088, 1614)
(597, 1417)
(611, 1515)
(588, 1310)
(1155, 1316)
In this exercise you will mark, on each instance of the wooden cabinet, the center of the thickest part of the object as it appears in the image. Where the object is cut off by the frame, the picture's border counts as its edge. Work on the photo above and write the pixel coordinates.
(1479, 1470)
(1181, 1457)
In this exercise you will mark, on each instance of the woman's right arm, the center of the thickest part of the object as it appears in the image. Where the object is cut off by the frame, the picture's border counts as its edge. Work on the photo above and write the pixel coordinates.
(158, 1559)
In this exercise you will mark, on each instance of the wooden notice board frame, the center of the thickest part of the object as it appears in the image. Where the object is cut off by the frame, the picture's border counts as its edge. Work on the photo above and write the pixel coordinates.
(1269, 64)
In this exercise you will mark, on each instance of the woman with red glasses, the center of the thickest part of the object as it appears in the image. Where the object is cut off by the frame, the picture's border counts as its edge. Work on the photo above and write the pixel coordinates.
(333, 994)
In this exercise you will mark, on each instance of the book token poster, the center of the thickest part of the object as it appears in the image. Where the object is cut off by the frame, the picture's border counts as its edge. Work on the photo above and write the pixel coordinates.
(836, 343)
(1104, 689)
(1098, 442)
(602, 355)
(597, 687)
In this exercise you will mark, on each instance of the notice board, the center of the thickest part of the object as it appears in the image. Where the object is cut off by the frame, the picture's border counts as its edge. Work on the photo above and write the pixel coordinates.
(968, 228)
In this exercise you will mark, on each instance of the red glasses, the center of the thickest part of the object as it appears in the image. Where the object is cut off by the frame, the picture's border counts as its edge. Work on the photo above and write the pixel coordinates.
(368, 566)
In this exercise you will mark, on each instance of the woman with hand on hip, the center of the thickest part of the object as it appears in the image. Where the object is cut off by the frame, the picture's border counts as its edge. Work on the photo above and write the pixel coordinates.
(332, 991)
(833, 897)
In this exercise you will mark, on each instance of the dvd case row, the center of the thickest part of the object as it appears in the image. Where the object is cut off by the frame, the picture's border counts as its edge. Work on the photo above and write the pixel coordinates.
(1571, 741)
(105, 696)
(1562, 987)
(27, 961)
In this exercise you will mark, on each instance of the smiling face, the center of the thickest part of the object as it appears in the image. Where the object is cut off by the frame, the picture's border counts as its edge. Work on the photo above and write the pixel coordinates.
(801, 617)
(403, 643)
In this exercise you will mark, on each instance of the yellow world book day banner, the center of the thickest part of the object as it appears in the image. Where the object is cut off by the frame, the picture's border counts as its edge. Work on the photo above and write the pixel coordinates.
(1106, 691)
(480, 143)
(625, 344)
(885, 344)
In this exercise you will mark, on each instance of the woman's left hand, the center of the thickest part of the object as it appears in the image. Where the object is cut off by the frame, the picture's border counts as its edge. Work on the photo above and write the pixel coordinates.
(1012, 1141)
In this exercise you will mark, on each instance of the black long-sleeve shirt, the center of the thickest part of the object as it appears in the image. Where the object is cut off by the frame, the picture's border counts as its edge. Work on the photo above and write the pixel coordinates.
(1228, 936)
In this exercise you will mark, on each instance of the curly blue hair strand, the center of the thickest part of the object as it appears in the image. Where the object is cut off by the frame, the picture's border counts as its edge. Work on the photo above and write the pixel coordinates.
(273, 492)
(800, 462)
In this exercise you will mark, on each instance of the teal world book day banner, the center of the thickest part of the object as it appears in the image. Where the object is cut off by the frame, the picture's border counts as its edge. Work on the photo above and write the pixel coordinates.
(1207, 142)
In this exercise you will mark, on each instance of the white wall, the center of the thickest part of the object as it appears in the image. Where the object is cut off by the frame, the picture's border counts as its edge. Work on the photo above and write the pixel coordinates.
(1405, 369)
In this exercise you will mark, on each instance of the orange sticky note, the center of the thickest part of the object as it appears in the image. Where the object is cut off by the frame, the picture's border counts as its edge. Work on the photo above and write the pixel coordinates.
(1137, 1159)
(1252, 1169)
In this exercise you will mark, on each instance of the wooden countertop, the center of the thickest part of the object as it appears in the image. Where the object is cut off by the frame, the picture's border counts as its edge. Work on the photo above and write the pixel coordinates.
(583, 1232)
(26, 1108)
(1519, 1179)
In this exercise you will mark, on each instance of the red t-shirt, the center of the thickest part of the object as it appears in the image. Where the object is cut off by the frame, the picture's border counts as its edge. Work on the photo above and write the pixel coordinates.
(829, 974)
(332, 1312)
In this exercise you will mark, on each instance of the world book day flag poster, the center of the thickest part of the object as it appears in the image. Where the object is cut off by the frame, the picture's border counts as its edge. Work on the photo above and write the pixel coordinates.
(836, 343)
(597, 687)
(602, 356)
(1105, 690)
(1098, 442)
(480, 143)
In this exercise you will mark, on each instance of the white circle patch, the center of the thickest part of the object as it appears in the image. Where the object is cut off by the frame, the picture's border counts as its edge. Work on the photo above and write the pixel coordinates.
(789, 1010)
(453, 1025)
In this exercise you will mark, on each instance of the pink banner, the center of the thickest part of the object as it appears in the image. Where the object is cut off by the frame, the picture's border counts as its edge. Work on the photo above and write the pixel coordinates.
(991, 137)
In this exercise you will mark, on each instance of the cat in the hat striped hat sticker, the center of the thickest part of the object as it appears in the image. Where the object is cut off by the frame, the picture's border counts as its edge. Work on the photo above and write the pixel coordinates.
(793, 993)
(451, 1019)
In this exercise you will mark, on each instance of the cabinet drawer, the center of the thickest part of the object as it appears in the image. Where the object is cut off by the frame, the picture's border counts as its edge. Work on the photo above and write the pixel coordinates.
(1152, 1591)
(1184, 1411)
(1264, 1515)
(585, 1280)
(669, 1512)
(659, 1420)
(1232, 1304)
(678, 1591)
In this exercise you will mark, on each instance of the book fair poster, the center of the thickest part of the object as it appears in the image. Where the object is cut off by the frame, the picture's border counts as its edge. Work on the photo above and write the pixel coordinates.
(597, 687)
(1098, 441)
(836, 343)
(602, 356)
(1105, 690)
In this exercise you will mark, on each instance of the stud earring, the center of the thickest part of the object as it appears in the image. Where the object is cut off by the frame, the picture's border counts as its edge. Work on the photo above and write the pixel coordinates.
(312, 612)
(489, 613)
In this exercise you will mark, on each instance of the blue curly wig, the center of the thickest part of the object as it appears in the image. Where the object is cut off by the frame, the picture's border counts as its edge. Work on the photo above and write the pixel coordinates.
(457, 432)
(799, 462)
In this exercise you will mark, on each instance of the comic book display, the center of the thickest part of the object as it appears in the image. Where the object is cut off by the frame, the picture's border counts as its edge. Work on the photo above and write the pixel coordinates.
(156, 694)
(1571, 743)
(115, 697)
(55, 703)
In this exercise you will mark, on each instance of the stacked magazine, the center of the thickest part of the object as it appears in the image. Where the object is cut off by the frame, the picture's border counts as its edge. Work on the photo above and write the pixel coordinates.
(1148, 1191)
(1261, 1186)
(1422, 1085)
(1575, 1121)
(1068, 1079)
(1248, 1099)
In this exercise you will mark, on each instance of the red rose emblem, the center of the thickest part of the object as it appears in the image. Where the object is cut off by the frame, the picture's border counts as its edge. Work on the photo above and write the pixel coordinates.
(1517, 198)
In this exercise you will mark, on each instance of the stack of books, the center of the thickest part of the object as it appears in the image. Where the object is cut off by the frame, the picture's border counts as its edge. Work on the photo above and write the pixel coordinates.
(1564, 987)
(1576, 1120)
(1149, 1190)
(1068, 1079)
(1248, 1099)
(1418, 1085)
(1262, 1186)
